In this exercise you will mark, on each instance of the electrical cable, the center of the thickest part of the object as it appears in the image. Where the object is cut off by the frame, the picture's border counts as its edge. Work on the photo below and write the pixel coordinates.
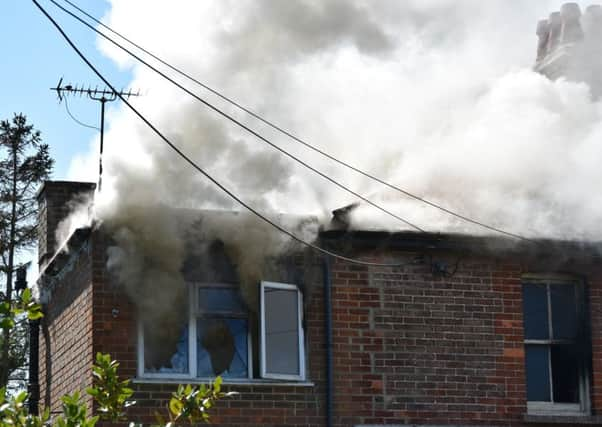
(196, 166)
(242, 125)
(298, 139)
(77, 121)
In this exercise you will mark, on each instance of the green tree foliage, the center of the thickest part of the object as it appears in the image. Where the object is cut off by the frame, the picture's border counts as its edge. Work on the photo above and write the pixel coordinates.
(110, 393)
(24, 163)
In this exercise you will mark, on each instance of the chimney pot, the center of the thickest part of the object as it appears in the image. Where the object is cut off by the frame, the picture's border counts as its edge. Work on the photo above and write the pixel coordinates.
(571, 27)
(592, 22)
(555, 23)
(543, 33)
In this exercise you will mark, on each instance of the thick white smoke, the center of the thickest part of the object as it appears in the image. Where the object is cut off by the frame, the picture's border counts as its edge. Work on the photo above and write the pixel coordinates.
(437, 97)
(434, 96)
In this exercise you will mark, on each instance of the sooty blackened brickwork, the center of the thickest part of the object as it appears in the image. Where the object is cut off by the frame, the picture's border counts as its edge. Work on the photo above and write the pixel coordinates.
(437, 340)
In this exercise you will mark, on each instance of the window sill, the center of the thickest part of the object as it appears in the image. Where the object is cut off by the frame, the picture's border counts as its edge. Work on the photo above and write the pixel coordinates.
(563, 419)
(226, 382)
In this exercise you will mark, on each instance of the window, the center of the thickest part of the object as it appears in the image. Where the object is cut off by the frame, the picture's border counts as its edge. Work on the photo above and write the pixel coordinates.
(281, 332)
(218, 335)
(556, 346)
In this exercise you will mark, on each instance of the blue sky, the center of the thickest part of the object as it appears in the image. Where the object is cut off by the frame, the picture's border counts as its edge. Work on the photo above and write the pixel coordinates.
(34, 58)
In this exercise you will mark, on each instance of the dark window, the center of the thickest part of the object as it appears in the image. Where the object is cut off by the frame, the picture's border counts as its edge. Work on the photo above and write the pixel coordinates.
(222, 333)
(555, 348)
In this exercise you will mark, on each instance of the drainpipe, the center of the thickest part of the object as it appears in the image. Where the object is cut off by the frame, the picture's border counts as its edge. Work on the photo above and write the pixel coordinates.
(34, 380)
(328, 330)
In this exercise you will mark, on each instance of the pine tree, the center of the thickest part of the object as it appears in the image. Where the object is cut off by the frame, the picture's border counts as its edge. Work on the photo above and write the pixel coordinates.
(25, 163)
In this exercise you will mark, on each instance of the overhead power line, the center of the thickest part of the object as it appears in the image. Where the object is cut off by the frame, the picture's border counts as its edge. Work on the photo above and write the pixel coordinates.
(294, 137)
(242, 125)
(192, 163)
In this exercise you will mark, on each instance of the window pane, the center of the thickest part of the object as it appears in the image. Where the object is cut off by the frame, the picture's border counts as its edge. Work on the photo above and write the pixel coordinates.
(220, 300)
(564, 312)
(222, 348)
(565, 373)
(281, 331)
(535, 305)
(538, 373)
(162, 352)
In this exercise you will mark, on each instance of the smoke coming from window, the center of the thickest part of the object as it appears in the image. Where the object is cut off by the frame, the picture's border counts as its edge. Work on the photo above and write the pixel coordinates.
(437, 97)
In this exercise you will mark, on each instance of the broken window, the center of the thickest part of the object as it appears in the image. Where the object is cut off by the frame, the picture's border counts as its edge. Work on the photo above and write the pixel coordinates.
(556, 346)
(159, 356)
(164, 341)
(221, 337)
(222, 333)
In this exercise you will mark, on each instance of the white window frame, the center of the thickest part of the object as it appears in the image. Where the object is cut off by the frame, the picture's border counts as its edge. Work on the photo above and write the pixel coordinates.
(558, 408)
(262, 354)
(193, 314)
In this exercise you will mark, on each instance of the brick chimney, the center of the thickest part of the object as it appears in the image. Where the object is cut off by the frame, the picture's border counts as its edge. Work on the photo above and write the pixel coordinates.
(570, 46)
(54, 205)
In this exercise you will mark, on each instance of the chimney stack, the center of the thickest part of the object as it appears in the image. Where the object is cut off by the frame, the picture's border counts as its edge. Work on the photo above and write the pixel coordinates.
(571, 31)
(54, 205)
(570, 45)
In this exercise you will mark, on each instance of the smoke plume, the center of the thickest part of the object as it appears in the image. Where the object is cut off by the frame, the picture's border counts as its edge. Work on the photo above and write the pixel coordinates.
(437, 97)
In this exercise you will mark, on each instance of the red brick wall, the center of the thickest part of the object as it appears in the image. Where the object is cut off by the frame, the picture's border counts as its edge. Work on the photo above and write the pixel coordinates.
(410, 346)
(256, 405)
(595, 302)
(54, 200)
(114, 316)
(418, 348)
(66, 332)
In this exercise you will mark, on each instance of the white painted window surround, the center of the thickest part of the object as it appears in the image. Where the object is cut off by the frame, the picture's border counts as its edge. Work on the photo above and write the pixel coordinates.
(280, 341)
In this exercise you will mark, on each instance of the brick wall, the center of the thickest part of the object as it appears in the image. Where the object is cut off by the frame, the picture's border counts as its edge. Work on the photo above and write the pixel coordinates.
(429, 348)
(411, 345)
(595, 308)
(54, 205)
(256, 405)
(66, 331)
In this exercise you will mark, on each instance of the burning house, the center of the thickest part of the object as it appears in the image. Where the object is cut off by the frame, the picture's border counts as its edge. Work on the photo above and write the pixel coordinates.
(403, 328)
(459, 329)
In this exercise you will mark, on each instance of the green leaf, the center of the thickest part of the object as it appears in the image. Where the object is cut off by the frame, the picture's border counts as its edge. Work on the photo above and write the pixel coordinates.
(21, 397)
(34, 315)
(26, 295)
(175, 406)
(7, 323)
(5, 308)
(127, 391)
(92, 391)
(217, 384)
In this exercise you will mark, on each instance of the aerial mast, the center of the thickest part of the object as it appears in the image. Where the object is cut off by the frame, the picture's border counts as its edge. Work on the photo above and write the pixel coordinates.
(101, 95)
